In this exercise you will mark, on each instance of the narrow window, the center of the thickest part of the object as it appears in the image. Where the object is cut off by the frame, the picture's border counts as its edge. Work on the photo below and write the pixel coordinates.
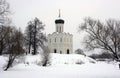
(70, 40)
(55, 39)
(60, 39)
(50, 40)
(66, 39)
(57, 29)
(60, 29)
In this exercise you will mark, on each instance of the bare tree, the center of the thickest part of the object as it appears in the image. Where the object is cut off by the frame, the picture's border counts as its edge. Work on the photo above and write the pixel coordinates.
(3, 34)
(102, 35)
(46, 56)
(4, 11)
(34, 35)
(15, 46)
(79, 51)
(4, 20)
(29, 36)
(4, 7)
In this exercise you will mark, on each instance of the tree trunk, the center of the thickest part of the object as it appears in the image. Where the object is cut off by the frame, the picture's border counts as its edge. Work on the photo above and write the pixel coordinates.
(1, 48)
(29, 47)
(30, 42)
(34, 45)
(116, 57)
(8, 65)
(119, 66)
(11, 59)
(45, 62)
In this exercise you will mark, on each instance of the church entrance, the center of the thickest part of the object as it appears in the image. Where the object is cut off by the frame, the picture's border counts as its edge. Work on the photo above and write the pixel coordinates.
(68, 51)
(55, 51)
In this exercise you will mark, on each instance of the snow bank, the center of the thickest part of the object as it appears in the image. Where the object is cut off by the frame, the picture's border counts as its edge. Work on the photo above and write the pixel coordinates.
(33, 59)
(62, 66)
(2, 62)
(88, 70)
(57, 59)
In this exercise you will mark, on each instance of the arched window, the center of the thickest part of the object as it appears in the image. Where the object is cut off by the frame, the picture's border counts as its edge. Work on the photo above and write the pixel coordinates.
(71, 40)
(60, 39)
(55, 39)
(60, 29)
(57, 29)
(64, 40)
(50, 41)
(67, 39)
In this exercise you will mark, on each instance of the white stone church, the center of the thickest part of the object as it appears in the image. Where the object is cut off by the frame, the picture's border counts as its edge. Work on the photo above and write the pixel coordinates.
(60, 41)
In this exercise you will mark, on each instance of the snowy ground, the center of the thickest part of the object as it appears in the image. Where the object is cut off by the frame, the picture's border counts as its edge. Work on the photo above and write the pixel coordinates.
(61, 59)
(62, 66)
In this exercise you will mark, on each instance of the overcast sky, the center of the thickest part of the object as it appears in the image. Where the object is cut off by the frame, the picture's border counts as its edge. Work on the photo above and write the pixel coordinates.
(72, 11)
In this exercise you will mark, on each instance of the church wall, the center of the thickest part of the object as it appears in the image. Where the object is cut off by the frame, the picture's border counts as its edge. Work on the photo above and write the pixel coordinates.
(61, 42)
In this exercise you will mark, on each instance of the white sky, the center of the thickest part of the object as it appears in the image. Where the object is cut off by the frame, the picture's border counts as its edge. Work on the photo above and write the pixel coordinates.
(72, 11)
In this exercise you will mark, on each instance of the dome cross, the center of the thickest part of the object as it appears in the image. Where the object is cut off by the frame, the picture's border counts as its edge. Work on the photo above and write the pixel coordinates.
(59, 14)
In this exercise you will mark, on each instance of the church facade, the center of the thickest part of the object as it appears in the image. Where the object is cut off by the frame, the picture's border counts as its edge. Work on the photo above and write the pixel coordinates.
(60, 41)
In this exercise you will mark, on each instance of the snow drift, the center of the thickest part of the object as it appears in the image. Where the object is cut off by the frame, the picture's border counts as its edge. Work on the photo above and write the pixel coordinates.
(58, 59)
